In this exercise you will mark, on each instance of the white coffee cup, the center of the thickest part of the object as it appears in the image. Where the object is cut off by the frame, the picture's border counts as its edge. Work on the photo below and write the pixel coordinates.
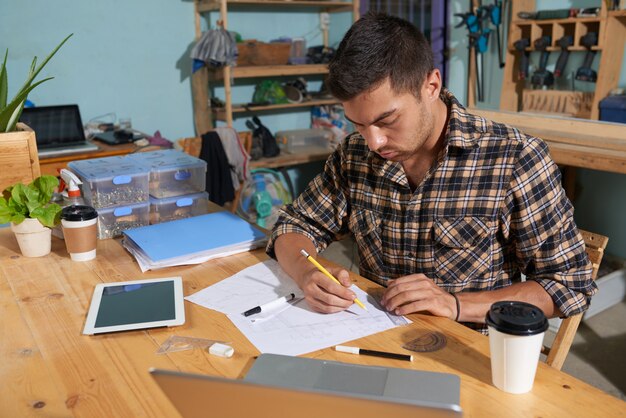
(516, 331)
(79, 230)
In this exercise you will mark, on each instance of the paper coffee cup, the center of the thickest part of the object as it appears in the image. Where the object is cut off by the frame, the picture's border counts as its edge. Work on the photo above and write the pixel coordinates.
(516, 331)
(80, 231)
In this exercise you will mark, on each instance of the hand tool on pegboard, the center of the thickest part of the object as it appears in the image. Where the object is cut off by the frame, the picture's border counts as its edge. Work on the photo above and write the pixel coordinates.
(542, 77)
(564, 42)
(585, 73)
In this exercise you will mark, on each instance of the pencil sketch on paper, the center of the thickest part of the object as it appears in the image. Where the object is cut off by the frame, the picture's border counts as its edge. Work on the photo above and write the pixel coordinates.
(296, 329)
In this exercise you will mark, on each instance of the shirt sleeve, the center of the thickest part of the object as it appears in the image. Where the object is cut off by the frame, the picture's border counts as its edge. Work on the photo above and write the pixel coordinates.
(320, 212)
(538, 218)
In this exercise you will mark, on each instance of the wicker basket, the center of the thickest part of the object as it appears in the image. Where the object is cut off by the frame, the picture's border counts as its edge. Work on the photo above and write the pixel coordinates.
(261, 53)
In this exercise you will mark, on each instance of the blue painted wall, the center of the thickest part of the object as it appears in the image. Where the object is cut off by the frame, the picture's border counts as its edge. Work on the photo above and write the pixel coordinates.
(601, 203)
(126, 57)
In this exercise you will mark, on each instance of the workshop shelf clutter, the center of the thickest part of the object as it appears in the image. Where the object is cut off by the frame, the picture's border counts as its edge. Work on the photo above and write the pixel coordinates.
(139, 189)
(596, 35)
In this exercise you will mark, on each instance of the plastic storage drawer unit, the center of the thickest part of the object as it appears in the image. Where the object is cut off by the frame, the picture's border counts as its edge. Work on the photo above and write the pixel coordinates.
(173, 173)
(112, 181)
(112, 221)
(178, 207)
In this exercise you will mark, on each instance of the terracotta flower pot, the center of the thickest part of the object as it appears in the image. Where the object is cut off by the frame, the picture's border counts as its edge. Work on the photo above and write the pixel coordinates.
(33, 238)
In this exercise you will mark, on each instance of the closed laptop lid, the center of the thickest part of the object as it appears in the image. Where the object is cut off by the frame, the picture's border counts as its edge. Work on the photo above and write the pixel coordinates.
(55, 126)
(201, 396)
(374, 382)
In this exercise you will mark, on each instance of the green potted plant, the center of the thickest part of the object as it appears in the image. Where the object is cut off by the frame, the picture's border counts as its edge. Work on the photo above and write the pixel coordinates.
(10, 111)
(31, 214)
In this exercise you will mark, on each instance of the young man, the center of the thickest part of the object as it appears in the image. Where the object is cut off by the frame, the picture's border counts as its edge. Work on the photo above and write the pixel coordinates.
(447, 208)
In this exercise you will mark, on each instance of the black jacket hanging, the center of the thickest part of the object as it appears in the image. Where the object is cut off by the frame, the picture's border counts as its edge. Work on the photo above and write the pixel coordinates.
(219, 184)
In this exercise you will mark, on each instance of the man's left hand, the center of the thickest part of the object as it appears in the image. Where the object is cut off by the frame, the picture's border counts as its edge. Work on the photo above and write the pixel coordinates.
(418, 293)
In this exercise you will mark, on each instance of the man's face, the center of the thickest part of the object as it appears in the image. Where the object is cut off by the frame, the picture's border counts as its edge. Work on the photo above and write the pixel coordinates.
(394, 125)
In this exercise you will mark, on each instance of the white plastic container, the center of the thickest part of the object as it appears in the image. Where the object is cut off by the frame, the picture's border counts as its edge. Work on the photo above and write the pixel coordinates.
(112, 221)
(178, 207)
(112, 181)
(172, 172)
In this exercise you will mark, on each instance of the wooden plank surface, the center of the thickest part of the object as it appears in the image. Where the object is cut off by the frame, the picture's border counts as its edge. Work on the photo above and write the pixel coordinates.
(573, 142)
(107, 375)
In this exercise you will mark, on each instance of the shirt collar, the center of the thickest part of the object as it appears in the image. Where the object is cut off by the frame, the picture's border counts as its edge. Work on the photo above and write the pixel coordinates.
(464, 129)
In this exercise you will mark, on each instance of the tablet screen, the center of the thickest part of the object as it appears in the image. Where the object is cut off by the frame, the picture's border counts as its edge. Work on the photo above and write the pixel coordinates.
(135, 305)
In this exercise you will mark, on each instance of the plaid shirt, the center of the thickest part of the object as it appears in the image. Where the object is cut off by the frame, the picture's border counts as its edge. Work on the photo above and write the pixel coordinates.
(492, 207)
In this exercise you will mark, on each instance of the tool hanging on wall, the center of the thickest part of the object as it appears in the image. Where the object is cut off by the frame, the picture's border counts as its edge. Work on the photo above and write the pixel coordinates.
(564, 42)
(481, 42)
(494, 12)
(520, 46)
(542, 77)
(585, 73)
(476, 40)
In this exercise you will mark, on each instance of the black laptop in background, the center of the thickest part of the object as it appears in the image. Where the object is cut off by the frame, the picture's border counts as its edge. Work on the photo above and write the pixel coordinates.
(58, 129)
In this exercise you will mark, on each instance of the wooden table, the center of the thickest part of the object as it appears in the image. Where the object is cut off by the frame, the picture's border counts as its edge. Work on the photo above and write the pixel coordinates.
(49, 368)
(51, 165)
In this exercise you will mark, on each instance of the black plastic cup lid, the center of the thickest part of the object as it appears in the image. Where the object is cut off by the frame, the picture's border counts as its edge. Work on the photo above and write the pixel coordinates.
(516, 318)
(77, 213)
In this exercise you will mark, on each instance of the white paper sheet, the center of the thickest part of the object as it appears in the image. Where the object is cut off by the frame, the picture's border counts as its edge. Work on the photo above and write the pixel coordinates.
(294, 329)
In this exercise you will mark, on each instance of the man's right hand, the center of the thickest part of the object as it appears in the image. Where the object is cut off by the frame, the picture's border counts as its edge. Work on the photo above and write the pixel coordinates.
(323, 294)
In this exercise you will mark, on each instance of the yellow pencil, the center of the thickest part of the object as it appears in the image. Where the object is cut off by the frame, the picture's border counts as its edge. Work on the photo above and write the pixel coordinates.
(327, 274)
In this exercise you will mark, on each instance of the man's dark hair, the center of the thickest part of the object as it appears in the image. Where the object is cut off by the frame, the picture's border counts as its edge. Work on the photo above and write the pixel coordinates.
(378, 46)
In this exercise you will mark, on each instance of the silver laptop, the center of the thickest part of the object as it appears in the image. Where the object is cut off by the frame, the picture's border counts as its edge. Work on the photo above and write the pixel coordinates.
(58, 130)
(278, 386)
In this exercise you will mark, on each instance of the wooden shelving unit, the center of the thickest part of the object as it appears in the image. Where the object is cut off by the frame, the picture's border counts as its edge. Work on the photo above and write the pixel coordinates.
(203, 114)
(611, 29)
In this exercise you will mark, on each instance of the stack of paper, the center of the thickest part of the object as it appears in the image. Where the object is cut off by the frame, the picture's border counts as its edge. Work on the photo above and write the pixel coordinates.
(191, 240)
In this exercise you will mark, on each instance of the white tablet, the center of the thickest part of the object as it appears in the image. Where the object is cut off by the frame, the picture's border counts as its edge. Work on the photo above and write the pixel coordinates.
(137, 304)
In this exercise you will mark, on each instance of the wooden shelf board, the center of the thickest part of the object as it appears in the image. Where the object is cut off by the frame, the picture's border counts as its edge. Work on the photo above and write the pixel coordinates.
(558, 48)
(552, 21)
(271, 71)
(287, 160)
(617, 13)
(220, 114)
(331, 6)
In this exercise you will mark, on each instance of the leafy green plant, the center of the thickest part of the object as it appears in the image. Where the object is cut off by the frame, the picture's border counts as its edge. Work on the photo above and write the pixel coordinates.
(10, 112)
(19, 202)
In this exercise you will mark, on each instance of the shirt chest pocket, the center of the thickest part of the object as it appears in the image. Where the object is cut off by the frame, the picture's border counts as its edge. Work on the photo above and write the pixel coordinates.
(462, 249)
(366, 226)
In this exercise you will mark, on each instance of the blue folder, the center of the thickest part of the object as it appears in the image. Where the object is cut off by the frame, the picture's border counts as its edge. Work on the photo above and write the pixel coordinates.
(213, 232)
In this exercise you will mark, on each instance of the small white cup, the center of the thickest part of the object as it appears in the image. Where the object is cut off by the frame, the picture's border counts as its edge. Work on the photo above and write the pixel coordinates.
(516, 331)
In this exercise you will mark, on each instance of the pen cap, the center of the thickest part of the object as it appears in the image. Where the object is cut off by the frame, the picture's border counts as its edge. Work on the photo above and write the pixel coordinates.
(221, 350)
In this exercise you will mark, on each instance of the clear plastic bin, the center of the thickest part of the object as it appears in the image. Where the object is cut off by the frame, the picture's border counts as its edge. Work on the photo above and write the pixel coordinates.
(112, 181)
(172, 172)
(178, 207)
(304, 140)
(112, 221)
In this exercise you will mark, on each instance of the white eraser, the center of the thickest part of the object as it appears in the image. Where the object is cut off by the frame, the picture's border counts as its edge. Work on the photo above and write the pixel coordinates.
(221, 350)
(346, 349)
